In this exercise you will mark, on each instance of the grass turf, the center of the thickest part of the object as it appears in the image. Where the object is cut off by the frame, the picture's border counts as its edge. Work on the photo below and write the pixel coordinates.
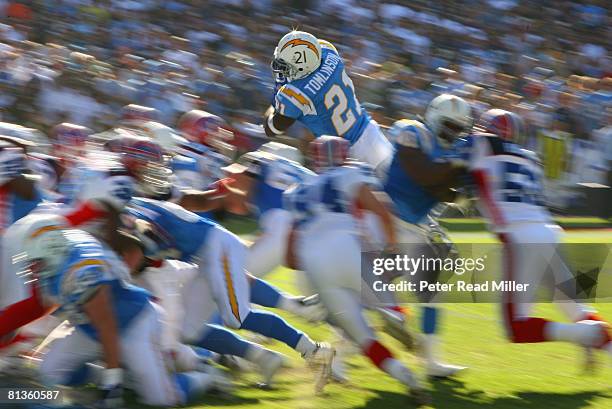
(500, 374)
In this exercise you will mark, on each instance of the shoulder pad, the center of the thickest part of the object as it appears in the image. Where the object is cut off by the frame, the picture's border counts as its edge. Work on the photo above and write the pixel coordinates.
(297, 98)
(409, 133)
(328, 45)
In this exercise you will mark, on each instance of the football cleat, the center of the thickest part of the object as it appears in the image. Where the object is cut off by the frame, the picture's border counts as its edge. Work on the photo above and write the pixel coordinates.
(269, 364)
(439, 370)
(394, 325)
(309, 308)
(320, 362)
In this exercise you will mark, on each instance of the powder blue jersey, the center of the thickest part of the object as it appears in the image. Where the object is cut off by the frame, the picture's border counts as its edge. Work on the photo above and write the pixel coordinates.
(182, 232)
(411, 201)
(324, 101)
(334, 191)
(87, 267)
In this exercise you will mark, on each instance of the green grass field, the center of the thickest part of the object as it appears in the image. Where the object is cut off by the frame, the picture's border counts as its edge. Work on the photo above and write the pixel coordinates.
(500, 375)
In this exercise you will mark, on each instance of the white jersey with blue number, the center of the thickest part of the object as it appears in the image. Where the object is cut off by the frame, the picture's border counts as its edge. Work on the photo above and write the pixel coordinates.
(198, 166)
(102, 179)
(508, 179)
(275, 175)
(333, 192)
(325, 100)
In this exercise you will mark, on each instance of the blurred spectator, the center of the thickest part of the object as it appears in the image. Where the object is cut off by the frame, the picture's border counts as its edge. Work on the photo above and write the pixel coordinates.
(547, 60)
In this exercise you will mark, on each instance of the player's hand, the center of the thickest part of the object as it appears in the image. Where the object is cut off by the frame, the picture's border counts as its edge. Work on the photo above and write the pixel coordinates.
(112, 389)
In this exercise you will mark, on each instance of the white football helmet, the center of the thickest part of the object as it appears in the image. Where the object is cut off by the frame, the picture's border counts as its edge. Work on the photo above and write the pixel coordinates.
(297, 55)
(45, 245)
(447, 116)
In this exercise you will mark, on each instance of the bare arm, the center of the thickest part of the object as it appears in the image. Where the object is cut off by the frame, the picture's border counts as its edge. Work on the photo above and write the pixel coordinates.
(368, 201)
(100, 312)
(202, 201)
(24, 187)
(275, 124)
(435, 177)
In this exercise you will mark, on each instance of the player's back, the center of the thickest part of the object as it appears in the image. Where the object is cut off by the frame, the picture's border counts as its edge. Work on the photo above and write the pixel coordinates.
(325, 101)
(508, 178)
(206, 167)
(331, 195)
(87, 266)
(276, 175)
(181, 229)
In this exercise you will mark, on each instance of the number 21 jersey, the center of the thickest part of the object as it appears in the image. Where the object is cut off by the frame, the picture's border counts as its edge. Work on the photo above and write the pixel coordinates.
(324, 101)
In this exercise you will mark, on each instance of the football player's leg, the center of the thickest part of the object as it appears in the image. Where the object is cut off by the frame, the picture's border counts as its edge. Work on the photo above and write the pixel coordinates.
(225, 342)
(417, 243)
(373, 147)
(526, 263)
(144, 362)
(266, 295)
(223, 260)
(521, 264)
(268, 251)
(334, 268)
(165, 284)
(65, 362)
(225, 267)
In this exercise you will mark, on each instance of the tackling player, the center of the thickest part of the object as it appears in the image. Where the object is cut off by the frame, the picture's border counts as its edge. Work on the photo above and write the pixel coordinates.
(113, 320)
(418, 179)
(509, 188)
(318, 92)
(327, 246)
(170, 231)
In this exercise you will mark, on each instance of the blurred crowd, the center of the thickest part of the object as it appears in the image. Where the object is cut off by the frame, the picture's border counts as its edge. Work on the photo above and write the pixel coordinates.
(80, 60)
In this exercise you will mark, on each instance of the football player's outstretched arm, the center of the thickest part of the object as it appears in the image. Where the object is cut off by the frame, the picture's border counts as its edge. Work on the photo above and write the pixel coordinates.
(216, 198)
(429, 174)
(366, 200)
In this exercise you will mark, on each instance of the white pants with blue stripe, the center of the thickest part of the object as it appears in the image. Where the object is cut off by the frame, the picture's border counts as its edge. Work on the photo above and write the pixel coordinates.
(221, 263)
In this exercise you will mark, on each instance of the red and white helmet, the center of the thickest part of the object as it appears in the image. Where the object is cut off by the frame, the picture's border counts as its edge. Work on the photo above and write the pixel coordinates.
(327, 152)
(145, 161)
(138, 113)
(505, 124)
(69, 141)
(203, 127)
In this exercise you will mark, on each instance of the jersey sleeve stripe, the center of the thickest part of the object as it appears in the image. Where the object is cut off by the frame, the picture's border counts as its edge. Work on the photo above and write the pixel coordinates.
(327, 44)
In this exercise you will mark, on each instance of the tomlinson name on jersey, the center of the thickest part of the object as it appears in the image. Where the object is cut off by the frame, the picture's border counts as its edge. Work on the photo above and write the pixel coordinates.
(323, 74)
